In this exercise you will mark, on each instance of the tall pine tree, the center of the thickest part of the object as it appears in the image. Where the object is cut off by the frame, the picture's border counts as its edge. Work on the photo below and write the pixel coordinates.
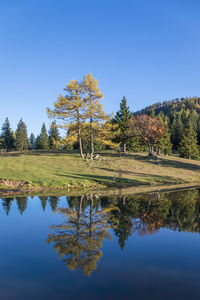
(54, 137)
(177, 130)
(122, 118)
(31, 142)
(7, 137)
(42, 141)
(21, 139)
(164, 143)
(188, 147)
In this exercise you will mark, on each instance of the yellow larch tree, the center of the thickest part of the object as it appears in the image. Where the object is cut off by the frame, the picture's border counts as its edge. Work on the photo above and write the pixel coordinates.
(71, 108)
(94, 109)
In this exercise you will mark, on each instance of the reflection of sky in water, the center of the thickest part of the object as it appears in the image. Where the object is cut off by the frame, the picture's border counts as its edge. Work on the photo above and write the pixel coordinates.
(163, 265)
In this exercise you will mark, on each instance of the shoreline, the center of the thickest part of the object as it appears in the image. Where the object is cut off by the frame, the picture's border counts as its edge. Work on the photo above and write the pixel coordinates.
(101, 192)
(64, 173)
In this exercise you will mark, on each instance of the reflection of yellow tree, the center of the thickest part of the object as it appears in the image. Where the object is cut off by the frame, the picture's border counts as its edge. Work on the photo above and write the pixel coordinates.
(81, 235)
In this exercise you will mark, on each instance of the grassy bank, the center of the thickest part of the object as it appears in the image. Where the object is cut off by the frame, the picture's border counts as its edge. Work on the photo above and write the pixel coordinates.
(34, 171)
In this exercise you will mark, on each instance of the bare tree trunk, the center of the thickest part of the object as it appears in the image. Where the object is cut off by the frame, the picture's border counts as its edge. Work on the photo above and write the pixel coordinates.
(91, 140)
(124, 147)
(148, 206)
(81, 201)
(80, 143)
(157, 150)
(124, 200)
(79, 136)
(150, 148)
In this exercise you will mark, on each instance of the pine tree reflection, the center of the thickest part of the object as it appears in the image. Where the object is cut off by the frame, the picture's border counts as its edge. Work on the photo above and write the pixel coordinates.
(21, 204)
(53, 201)
(43, 200)
(6, 203)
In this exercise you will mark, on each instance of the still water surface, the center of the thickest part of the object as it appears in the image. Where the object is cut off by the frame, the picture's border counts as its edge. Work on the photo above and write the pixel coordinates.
(91, 247)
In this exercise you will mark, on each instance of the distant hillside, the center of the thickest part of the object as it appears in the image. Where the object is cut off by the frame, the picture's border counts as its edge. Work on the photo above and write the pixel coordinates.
(174, 105)
(179, 115)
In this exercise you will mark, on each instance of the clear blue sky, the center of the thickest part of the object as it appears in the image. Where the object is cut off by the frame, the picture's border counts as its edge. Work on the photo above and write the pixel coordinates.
(146, 50)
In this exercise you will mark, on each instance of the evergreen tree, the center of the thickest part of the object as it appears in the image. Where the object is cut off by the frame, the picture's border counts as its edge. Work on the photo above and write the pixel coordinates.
(165, 144)
(42, 141)
(152, 113)
(7, 137)
(188, 146)
(32, 142)
(193, 120)
(136, 144)
(21, 139)
(198, 130)
(185, 116)
(37, 142)
(54, 137)
(177, 130)
(161, 116)
(122, 118)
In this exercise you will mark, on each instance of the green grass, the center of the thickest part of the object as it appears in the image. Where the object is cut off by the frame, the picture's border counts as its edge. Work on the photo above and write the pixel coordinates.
(66, 170)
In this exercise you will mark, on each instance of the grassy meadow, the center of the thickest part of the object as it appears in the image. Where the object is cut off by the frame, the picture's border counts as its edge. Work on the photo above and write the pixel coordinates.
(37, 170)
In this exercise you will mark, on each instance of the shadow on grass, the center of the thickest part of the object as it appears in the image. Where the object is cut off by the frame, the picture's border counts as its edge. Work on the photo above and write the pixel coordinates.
(116, 181)
(167, 162)
(144, 175)
(178, 164)
(109, 181)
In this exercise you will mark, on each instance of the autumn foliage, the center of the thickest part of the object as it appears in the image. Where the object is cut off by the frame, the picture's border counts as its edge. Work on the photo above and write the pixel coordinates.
(150, 129)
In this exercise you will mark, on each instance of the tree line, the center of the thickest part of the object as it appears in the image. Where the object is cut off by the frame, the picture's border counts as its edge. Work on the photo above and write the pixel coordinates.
(19, 140)
(81, 111)
(183, 119)
(160, 128)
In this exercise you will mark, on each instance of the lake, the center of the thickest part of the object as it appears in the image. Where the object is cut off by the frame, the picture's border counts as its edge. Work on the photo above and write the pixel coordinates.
(143, 246)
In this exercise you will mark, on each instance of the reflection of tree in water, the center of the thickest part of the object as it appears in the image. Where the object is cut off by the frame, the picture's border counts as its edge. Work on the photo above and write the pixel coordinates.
(21, 204)
(53, 201)
(184, 212)
(151, 214)
(43, 200)
(6, 203)
(81, 235)
(121, 221)
(88, 218)
(146, 214)
(140, 214)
